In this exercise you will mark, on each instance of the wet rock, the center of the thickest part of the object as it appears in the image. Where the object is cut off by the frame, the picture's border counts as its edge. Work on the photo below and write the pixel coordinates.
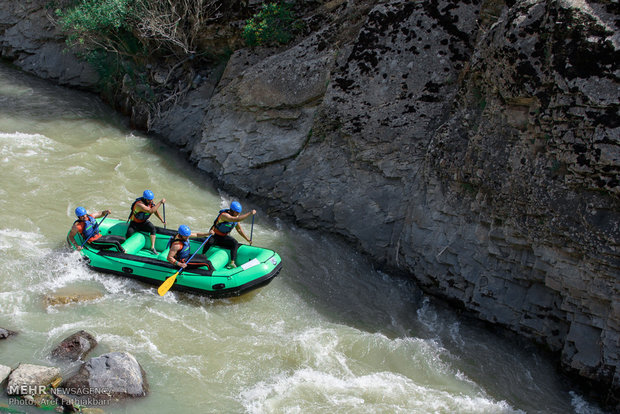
(4, 373)
(112, 376)
(28, 379)
(5, 333)
(75, 347)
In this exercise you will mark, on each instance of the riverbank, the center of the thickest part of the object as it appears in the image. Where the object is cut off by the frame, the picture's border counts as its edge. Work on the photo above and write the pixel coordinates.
(471, 147)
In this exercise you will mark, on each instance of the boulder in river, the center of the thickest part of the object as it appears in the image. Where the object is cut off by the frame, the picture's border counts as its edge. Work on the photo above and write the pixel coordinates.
(5, 333)
(112, 376)
(75, 347)
(4, 373)
(28, 379)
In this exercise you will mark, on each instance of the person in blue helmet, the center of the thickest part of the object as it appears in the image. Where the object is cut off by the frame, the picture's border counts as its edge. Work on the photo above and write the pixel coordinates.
(227, 220)
(88, 228)
(141, 209)
(180, 250)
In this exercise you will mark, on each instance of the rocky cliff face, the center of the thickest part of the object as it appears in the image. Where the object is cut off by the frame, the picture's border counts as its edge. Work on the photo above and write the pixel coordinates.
(474, 145)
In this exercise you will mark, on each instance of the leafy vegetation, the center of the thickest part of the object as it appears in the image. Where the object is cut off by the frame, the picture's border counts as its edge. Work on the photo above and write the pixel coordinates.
(273, 24)
(119, 37)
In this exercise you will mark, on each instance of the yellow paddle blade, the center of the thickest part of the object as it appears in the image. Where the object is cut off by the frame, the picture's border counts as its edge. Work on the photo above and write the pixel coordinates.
(165, 287)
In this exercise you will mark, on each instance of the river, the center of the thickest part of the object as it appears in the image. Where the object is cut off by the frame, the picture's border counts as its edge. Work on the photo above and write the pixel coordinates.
(329, 334)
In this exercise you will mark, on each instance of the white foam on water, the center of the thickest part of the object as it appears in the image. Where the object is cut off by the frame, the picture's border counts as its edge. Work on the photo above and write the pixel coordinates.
(65, 328)
(13, 304)
(311, 390)
(428, 316)
(176, 318)
(25, 243)
(138, 343)
(59, 270)
(23, 144)
(581, 406)
(75, 170)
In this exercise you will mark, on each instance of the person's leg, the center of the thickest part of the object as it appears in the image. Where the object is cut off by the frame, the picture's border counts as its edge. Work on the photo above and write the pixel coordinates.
(131, 229)
(149, 227)
(208, 244)
(200, 260)
(231, 244)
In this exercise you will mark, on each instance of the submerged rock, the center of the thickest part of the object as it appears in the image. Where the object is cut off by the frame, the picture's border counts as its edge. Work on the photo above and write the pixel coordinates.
(71, 295)
(28, 379)
(75, 347)
(112, 376)
(5, 333)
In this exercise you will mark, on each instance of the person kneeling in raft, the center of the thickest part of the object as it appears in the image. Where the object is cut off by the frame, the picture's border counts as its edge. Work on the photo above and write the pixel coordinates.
(179, 249)
(88, 228)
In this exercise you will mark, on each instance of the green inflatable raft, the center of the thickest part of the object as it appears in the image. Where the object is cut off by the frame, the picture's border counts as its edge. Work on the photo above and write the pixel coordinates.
(256, 266)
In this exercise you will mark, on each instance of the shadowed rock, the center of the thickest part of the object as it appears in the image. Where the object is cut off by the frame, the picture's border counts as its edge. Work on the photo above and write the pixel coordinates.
(5, 333)
(75, 347)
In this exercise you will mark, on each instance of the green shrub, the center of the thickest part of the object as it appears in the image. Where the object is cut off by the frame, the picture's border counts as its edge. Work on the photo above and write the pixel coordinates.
(91, 21)
(273, 24)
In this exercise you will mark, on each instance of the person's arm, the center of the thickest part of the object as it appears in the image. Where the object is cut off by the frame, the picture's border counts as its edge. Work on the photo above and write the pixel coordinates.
(159, 217)
(72, 233)
(101, 213)
(173, 252)
(239, 218)
(199, 234)
(151, 210)
(242, 233)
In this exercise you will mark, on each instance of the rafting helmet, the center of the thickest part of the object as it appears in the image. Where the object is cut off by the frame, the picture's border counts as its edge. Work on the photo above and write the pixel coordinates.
(148, 194)
(235, 206)
(184, 230)
(80, 211)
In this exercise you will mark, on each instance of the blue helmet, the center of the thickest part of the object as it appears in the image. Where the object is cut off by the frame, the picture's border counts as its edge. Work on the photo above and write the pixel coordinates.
(235, 206)
(148, 194)
(80, 211)
(184, 230)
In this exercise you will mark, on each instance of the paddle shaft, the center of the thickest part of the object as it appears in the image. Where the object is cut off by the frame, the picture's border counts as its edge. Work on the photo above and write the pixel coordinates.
(99, 224)
(252, 229)
(164, 206)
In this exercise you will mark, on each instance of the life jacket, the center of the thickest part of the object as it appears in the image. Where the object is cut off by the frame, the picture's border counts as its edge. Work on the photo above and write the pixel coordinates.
(89, 229)
(224, 227)
(183, 253)
(140, 216)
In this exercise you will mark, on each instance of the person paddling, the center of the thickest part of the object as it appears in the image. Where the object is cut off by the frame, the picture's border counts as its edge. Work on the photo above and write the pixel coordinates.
(88, 228)
(180, 249)
(227, 220)
(141, 209)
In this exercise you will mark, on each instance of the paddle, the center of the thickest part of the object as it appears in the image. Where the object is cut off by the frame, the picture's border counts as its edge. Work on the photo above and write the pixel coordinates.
(165, 287)
(252, 229)
(164, 205)
(98, 224)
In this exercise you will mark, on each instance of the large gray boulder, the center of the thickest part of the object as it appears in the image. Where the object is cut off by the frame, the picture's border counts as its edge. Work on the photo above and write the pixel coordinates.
(112, 376)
